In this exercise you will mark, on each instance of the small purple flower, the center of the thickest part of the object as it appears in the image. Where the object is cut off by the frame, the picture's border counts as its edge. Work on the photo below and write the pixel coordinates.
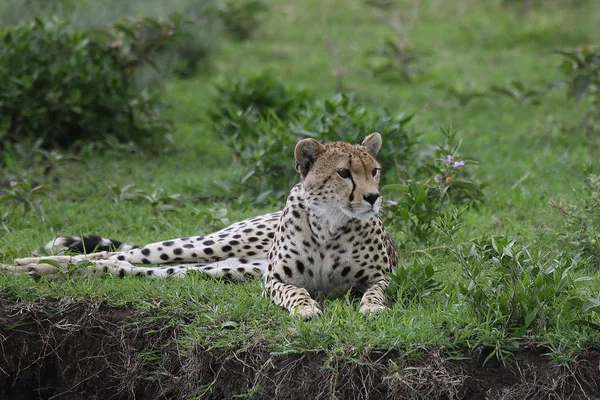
(458, 164)
(392, 203)
(450, 159)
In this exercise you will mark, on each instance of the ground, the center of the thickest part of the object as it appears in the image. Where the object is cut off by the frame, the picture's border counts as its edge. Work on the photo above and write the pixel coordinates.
(197, 337)
(90, 351)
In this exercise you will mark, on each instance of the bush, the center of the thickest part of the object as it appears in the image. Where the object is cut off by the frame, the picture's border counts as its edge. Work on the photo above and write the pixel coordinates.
(582, 219)
(67, 87)
(524, 287)
(241, 18)
(254, 96)
(262, 127)
(412, 281)
(581, 71)
(581, 75)
(191, 53)
(441, 179)
(510, 287)
(247, 110)
(342, 118)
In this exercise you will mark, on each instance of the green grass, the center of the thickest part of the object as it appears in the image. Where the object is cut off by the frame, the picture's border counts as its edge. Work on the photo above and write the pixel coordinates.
(528, 154)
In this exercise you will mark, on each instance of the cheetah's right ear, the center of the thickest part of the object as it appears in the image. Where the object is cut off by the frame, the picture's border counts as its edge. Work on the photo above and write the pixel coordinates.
(306, 153)
(372, 143)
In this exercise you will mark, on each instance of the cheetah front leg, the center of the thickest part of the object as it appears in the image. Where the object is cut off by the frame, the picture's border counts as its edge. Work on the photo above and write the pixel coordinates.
(64, 260)
(294, 299)
(374, 298)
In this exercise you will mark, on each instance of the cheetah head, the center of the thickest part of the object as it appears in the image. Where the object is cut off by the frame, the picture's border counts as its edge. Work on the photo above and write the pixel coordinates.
(341, 179)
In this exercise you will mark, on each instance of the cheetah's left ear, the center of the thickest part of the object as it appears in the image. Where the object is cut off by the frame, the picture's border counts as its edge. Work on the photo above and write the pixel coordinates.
(306, 153)
(372, 143)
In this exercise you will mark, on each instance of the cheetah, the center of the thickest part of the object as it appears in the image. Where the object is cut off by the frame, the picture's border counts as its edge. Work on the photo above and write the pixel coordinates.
(327, 240)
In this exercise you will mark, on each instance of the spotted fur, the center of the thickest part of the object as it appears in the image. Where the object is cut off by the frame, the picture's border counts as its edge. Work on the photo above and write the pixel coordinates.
(328, 238)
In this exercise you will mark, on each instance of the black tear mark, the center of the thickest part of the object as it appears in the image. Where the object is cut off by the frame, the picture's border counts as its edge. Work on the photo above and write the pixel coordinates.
(351, 198)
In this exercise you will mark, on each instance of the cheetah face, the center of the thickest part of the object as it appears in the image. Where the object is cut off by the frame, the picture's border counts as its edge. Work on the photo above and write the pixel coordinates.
(340, 179)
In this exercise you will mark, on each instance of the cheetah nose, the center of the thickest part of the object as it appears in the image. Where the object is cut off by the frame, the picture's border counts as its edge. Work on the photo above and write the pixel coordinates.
(371, 198)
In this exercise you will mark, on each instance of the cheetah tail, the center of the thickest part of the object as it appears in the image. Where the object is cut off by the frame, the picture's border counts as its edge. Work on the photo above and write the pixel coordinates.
(85, 244)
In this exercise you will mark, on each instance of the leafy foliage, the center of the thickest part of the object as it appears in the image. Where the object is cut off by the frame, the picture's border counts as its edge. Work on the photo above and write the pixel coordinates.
(260, 120)
(66, 87)
(454, 176)
(392, 61)
(191, 53)
(582, 220)
(509, 286)
(581, 71)
(416, 203)
(22, 194)
(241, 18)
(394, 57)
(212, 219)
(414, 281)
(157, 199)
(252, 97)
(465, 92)
(518, 92)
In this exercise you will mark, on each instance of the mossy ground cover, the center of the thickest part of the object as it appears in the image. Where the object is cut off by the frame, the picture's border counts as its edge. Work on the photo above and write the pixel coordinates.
(532, 156)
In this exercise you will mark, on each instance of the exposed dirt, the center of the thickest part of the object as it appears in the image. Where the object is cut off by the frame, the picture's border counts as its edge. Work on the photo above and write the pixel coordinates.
(89, 351)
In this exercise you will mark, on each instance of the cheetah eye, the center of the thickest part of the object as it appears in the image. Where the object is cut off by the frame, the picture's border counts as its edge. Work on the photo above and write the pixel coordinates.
(375, 171)
(344, 173)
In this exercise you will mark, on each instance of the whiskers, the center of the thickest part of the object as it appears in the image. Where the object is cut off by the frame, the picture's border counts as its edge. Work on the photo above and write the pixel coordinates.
(333, 217)
(364, 211)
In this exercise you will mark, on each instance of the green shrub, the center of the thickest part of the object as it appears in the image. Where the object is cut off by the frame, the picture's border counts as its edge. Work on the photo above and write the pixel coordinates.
(246, 112)
(440, 179)
(241, 18)
(193, 52)
(414, 281)
(254, 96)
(463, 92)
(263, 136)
(343, 118)
(582, 219)
(510, 287)
(67, 87)
(518, 92)
(22, 193)
(581, 71)
(581, 76)
(524, 286)
(190, 54)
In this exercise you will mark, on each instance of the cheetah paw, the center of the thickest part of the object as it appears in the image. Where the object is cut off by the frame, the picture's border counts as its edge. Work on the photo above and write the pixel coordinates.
(308, 311)
(370, 309)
